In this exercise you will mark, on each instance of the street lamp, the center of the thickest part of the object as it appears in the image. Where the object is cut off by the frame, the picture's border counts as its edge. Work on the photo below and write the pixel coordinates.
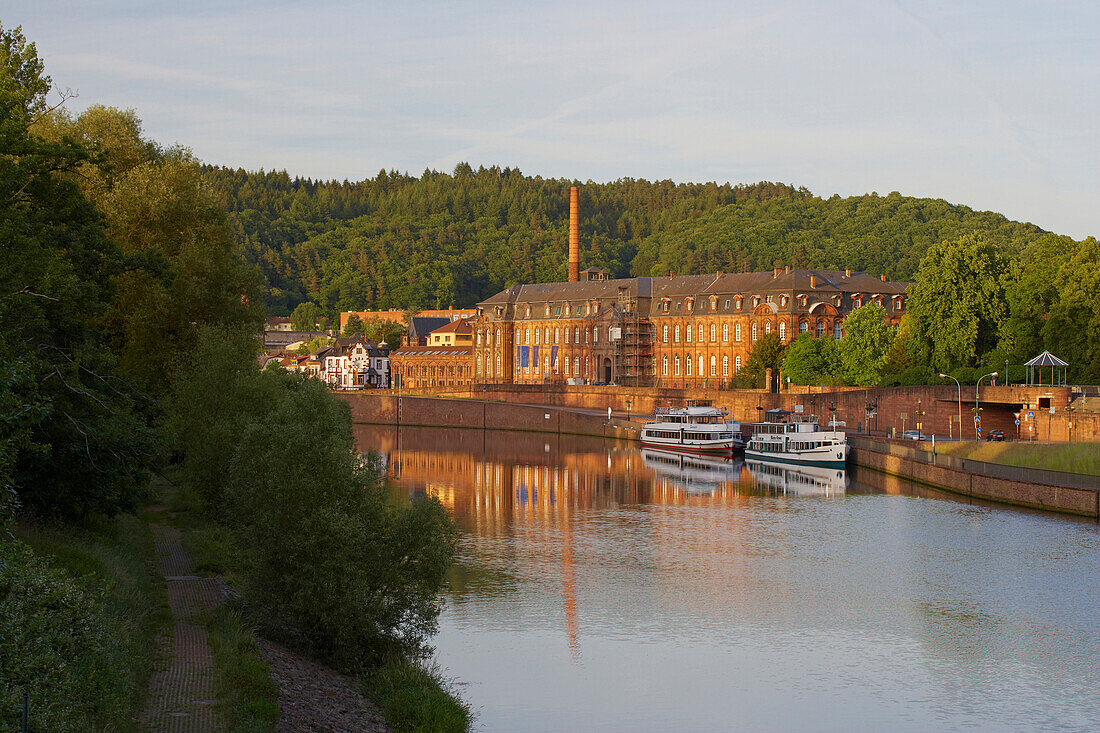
(948, 376)
(976, 408)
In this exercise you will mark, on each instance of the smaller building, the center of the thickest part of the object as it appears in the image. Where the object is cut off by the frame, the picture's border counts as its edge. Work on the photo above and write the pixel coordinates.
(432, 367)
(278, 323)
(455, 333)
(420, 327)
(355, 362)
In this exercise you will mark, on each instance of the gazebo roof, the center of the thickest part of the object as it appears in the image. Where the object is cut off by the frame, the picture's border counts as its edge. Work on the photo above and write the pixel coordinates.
(1046, 359)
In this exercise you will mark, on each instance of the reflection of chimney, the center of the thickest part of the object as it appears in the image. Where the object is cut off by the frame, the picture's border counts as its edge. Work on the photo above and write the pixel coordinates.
(574, 236)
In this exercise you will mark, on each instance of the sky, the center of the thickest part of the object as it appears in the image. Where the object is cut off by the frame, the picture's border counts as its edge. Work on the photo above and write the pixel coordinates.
(995, 105)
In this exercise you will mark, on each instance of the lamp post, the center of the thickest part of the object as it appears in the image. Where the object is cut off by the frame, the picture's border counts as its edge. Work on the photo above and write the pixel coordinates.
(948, 376)
(976, 408)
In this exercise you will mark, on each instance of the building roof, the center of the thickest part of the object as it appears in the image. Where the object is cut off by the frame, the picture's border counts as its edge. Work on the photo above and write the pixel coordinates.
(421, 326)
(461, 326)
(1046, 359)
(282, 338)
(417, 351)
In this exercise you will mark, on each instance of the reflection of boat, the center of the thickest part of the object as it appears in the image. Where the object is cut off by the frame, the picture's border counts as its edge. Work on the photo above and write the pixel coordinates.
(799, 480)
(796, 439)
(695, 474)
(697, 428)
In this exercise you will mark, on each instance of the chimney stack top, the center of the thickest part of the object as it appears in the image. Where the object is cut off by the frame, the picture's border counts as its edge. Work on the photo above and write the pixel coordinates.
(882, 277)
(847, 272)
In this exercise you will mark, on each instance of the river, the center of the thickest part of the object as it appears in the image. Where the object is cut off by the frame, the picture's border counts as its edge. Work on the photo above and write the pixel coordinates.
(600, 588)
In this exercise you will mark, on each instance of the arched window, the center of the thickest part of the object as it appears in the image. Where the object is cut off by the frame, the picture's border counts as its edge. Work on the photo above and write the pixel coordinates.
(755, 301)
(664, 366)
(527, 312)
(737, 364)
(713, 366)
(538, 333)
(609, 330)
(689, 330)
(768, 327)
(802, 327)
(820, 329)
(557, 335)
(567, 335)
(577, 364)
(712, 332)
(677, 365)
(701, 372)
(566, 365)
(782, 331)
(754, 332)
(479, 364)
(498, 335)
(595, 335)
(837, 330)
(687, 366)
(725, 366)
(737, 332)
(498, 365)
(577, 334)
(526, 335)
(664, 334)
(479, 339)
(725, 332)
(547, 309)
(547, 339)
(677, 337)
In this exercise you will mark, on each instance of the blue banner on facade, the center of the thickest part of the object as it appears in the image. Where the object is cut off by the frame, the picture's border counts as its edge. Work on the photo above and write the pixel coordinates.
(523, 356)
(535, 357)
(553, 357)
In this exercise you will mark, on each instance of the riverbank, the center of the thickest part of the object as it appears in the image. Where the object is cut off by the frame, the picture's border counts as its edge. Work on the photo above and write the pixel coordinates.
(1053, 491)
(1071, 457)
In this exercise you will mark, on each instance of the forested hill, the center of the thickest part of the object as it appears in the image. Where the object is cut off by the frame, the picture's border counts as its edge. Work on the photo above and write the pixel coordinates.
(453, 239)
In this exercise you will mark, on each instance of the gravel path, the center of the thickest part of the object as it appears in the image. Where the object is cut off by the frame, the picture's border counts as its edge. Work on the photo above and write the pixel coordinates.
(181, 692)
(314, 698)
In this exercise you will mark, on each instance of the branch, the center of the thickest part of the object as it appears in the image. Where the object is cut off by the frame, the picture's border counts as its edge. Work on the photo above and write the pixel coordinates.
(25, 290)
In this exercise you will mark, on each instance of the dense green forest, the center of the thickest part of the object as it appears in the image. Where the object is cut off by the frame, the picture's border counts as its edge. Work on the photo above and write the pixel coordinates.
(453, 239)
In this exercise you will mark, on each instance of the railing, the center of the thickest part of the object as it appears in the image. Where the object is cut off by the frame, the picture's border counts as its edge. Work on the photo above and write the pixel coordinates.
(979, 468)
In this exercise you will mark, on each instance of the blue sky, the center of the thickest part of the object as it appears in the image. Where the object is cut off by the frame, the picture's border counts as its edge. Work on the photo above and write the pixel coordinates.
(995, 105)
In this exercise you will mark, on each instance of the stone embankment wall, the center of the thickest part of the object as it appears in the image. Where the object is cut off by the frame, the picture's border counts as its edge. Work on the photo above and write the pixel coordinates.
(390, 409)
(894, 408)
(1037, 489)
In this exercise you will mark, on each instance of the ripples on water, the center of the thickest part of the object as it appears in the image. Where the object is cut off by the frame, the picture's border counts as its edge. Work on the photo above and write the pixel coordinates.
(600, 589)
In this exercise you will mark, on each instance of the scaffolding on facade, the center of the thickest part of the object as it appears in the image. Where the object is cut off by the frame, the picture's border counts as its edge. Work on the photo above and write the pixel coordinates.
(634, 346)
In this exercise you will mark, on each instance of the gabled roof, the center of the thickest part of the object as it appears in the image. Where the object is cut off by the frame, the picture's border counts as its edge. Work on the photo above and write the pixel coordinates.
(462, 325)
(1046, 359)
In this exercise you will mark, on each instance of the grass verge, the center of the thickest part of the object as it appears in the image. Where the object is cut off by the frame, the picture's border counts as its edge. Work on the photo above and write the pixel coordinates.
(416, 699)
(1072, 457)
(81, 610)
(248, 699)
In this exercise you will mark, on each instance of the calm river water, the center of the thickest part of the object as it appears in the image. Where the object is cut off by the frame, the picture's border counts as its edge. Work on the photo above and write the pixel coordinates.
(600, 588)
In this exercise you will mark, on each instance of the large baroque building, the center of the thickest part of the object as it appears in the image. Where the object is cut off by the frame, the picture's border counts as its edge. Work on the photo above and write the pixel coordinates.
(679, 331)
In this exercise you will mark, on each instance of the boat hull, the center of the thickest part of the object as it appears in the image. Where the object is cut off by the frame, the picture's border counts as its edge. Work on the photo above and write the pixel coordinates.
(833, 456)
(715, 448)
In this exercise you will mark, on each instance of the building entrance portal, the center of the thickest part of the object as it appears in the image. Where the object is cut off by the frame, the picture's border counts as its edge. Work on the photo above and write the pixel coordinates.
(607, 370)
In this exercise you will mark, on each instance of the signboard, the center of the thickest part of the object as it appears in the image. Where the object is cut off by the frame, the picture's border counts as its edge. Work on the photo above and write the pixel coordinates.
(1030, 415)
(977, 419)
(799, 409)
(615, 333)
(1017, 422)
(1052, 409)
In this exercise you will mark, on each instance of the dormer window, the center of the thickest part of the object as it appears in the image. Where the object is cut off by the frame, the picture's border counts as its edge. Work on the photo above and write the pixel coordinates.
(857, 302)
(567, 309)
(738, 301)
(527, 312)
(770, 299)
(802, 300)
(689, 303)
(783, 302)
(755, 301)
(836, 301)
(713, 303)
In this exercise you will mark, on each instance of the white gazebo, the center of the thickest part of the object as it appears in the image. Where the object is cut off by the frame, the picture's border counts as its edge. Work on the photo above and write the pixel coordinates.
(1045, 359)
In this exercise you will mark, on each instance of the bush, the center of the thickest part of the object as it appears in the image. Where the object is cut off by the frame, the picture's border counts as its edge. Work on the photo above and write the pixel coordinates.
(80, 646)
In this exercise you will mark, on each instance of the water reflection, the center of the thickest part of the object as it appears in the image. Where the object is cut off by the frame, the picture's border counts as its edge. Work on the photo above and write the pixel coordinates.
(604, 588)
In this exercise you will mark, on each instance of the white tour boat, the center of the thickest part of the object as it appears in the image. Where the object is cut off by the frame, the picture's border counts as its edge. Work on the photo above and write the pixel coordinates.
(697, 428)
(796, 439)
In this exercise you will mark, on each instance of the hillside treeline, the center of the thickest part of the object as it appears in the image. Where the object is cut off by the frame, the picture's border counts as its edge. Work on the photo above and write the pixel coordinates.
(443, 239)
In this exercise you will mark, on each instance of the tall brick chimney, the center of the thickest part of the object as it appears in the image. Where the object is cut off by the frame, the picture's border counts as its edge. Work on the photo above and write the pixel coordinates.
(574, 236)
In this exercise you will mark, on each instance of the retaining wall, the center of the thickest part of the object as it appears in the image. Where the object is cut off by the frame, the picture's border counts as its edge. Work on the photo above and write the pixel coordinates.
(1056, 491)
(387, 409)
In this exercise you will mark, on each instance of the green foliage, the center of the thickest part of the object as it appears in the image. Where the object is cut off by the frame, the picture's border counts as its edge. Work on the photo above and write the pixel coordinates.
(767, 353)
(862, 350)
(353, 325)
(958, 302)
(74, 438)
(328, 564)
(247, 697)
(416, 699)
(812, 360)
(78, 617)
(305, 316)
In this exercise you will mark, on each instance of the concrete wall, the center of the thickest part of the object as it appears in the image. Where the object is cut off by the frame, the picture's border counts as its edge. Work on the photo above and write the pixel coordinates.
(390, 409)
(918, 466)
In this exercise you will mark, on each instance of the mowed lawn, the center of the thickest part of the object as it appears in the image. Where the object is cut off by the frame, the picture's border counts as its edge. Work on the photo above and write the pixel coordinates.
(1075, 457)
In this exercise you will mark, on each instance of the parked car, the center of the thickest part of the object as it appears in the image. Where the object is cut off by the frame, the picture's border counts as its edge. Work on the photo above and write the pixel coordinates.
(996, 435)
(913, 435)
